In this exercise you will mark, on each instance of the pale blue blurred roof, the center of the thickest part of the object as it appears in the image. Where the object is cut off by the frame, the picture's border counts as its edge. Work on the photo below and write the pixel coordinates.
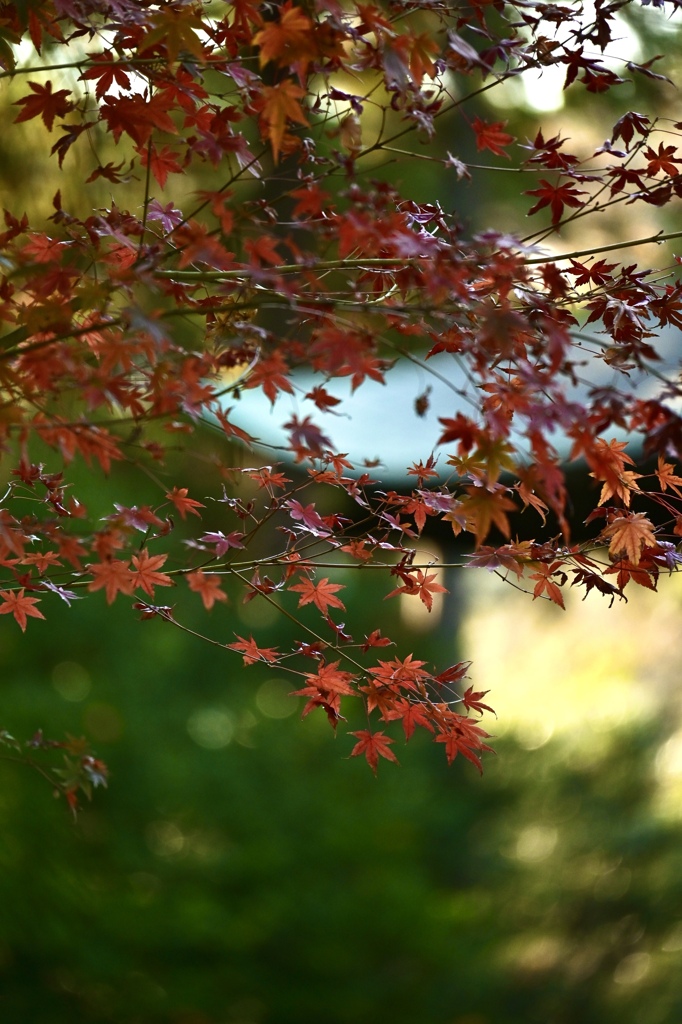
(380, 421)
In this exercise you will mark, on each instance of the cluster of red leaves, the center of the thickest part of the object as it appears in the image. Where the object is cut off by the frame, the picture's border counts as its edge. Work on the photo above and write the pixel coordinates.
(339, 277)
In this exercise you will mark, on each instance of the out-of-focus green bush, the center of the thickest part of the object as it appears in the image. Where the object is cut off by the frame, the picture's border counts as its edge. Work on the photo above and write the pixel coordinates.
(240, 870)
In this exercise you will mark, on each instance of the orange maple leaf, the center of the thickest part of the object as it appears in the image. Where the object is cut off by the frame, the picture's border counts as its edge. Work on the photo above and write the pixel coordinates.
(620, 486)
(281, 103)
(177, 31)
(320, 594)
(645, 577)
(666, 477)
(146, 573)
(608, 461)
(630, 534)
(331, 679)
(112, 575)
(288, 40)
(422, 49)
(20, 606)
(485, 507)
(546, 586)
(207, 585)
(184, 504)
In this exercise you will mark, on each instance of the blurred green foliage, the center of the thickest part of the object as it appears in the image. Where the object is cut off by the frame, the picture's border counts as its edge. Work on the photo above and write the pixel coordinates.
(240, 870)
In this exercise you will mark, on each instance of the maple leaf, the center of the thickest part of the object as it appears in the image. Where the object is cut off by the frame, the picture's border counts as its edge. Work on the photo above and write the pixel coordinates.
(666, 477)
(556, 197)
(621, 488)
(305, 436)
(373, 745)
(645, 577)
(310, 519)
(107, 74)
(485, 507)
(463, 737)
(267, 479)
(176, 30)
(263, 251)
(422, 50)
(630, 535)
(223, 543)
(408, 673)
(320, 594)
(330, 679)
(664, 160)
(44, 103)
(137, 117)
(280, 104)
(411, 713)
(22, 607)
(270, 374)
(322, 399)
(490, 136)
(162, 162)
(421, 584)
(287, 40)
(628, 124)
(146, 574)
(184, 504)
(112, 575)
(472, 699)
(252, 652)
(207, 585)
(546, 586)
(592, 581)
(375, 639)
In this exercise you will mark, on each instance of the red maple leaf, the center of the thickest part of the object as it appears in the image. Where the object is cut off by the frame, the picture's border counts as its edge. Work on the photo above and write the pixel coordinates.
(162, 162)
(472, 699)
(251, 651)
(20, 606)
(375, 639)
(270, 374)
(490, 136)
(330, 679)
(421, 584)
(556, 197)
(461, 736)
(137, 117)
(320, 594)
(373, 745)
(663, 160)
(412, 713)
(44, 103)
(107, 73)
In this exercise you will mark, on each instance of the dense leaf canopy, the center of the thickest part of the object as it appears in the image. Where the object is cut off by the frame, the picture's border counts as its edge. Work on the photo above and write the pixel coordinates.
(246, 217)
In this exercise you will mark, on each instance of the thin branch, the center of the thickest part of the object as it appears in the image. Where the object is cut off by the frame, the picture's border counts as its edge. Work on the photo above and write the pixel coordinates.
(661, 236)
